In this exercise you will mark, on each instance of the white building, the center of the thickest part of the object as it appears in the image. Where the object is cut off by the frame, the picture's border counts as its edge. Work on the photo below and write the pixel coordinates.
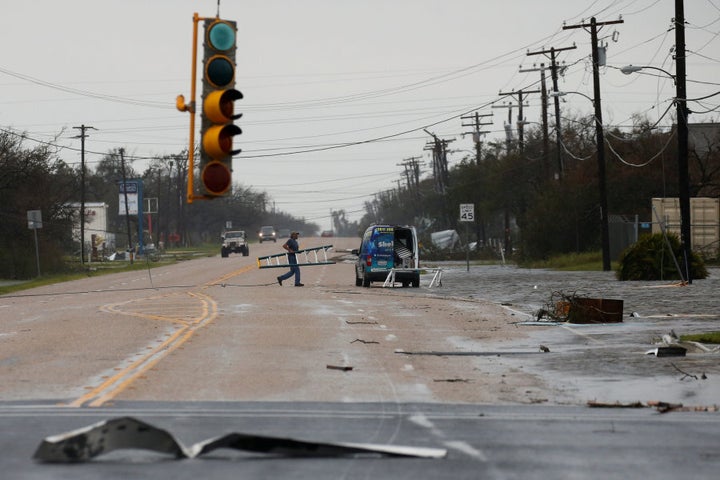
(96, 224)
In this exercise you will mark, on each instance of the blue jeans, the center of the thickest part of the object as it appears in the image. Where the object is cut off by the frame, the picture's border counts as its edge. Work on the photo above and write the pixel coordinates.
(294, 270)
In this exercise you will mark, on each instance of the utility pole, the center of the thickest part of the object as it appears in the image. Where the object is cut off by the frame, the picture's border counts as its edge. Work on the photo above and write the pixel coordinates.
(554, 75)
(440, 166)
(82, 136)
(476, 133)
(546, 136)
(520, 118)
(600, 139)
(508, 126)
(412, 174)
(127, 209)
(682, 131)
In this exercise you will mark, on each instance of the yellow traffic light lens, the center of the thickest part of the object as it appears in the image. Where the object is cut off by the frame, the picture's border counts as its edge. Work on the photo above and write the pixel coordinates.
(217, 141)
(218, 105)
(219, 71)
(221, 36)
(216, 178)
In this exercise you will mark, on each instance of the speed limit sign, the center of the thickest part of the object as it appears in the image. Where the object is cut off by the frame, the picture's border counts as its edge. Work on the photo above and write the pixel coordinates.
(467, 212)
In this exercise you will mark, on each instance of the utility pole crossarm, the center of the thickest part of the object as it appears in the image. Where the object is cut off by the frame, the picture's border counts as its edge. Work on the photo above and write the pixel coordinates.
(597, 24)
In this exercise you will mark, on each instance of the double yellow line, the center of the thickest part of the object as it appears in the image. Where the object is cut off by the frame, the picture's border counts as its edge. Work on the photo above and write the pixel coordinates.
(113, 386)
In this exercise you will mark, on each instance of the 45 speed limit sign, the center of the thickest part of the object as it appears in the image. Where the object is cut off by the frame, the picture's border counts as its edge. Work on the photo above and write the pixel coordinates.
(467, 212)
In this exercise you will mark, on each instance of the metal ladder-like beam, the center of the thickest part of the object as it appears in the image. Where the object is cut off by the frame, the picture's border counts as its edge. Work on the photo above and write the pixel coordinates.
(305, 258)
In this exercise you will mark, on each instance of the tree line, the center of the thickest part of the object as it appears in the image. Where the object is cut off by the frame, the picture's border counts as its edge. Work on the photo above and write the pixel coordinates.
(537, 201)
(34, 177)
(530, 198)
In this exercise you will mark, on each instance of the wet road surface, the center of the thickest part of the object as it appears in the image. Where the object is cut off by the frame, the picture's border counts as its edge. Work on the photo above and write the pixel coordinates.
(601, 362)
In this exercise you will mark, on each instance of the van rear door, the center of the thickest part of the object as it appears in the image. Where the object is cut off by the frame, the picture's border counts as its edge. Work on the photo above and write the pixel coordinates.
(381, 248)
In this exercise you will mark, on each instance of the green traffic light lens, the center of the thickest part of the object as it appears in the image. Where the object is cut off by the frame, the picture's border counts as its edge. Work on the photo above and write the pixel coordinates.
(221, 36)
(220, 71)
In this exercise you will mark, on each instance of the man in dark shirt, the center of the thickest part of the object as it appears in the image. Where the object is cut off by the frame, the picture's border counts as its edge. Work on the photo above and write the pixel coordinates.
(292, 246)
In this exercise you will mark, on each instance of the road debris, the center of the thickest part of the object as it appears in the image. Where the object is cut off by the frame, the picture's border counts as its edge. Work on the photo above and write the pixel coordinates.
(665, 407)
(572, 308)
(688, 375)
(344, 368)
(667, 352)
(86, 443)
(594, 404)
(662, 407)
(544, 349)
(360, 340)
(468, 353)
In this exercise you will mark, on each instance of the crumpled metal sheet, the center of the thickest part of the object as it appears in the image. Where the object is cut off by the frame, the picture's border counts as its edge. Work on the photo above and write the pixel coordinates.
(86, 443)
(125, 432)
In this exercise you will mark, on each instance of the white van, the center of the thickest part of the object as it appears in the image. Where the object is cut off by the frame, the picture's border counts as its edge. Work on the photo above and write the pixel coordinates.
(386, 247)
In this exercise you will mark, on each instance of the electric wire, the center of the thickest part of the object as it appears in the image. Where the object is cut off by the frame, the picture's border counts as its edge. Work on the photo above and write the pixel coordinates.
(648, 162)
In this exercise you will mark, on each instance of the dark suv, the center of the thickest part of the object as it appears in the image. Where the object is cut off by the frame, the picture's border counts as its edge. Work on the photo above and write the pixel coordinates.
(266, 234)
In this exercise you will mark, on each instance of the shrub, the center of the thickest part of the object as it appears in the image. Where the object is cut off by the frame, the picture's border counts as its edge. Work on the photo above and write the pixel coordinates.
(650, 258)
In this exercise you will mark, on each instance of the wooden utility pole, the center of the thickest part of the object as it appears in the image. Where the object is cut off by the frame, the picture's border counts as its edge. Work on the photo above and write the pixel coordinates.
(127, 210)
(520, 118)
(682, 131)
(82, 137)
(554, 75)
(477, 133)
(600, 139)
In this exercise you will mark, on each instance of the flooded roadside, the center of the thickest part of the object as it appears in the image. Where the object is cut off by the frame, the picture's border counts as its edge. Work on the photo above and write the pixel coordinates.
(600, 362)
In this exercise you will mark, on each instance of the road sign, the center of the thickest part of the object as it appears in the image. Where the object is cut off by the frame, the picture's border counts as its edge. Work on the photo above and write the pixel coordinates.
(34, 218)
(467, 212)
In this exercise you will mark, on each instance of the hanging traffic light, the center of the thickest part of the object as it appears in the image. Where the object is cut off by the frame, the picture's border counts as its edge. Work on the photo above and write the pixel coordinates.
(218, 110)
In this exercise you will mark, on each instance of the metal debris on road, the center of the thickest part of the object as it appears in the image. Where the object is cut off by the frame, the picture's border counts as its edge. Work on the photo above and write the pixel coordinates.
(86, 443)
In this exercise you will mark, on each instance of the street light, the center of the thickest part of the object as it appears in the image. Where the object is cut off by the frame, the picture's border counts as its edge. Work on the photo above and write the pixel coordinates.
(628, 69)
(602, 185)
(562, 94)
(683, 176)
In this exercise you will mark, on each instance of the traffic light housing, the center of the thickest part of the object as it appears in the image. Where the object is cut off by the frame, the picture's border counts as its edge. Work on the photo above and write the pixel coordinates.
(218, 107)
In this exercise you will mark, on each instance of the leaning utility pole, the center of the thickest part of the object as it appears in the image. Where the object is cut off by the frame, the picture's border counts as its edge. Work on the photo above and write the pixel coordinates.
(82, 136)
(412, 175)
(600, 139)
(440, 166)
(554, 75)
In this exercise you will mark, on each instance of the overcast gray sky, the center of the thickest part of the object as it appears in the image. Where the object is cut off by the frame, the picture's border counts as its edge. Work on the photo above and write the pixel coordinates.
(319, 73)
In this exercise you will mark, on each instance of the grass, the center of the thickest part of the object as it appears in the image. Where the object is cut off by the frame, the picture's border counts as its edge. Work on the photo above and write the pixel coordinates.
(570, 262)
(707, 337)
(76, 272)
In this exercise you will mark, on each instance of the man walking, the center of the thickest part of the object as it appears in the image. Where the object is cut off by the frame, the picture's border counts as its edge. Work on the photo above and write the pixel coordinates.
(292, 246)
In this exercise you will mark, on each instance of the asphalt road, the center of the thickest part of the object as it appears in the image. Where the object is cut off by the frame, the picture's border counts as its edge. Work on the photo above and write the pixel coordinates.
(212, 346)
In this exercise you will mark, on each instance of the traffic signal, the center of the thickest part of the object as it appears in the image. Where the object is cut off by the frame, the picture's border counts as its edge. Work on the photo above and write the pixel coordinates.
(218, 109)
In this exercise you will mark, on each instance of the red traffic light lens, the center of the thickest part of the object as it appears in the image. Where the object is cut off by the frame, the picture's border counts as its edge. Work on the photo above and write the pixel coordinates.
(216, 178)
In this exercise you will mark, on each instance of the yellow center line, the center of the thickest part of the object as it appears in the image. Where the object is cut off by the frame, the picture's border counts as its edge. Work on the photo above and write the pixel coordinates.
(230, 275)
(119, 382)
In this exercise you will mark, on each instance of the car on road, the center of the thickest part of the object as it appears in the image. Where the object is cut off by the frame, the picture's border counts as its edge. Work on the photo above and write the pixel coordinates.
(385, 248)
(234, 241)
(266, 234)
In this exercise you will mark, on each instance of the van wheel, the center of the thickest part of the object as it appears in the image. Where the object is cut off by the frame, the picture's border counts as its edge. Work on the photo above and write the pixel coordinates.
(416, 282)
(365, 281)
(405, 284)
(358, 280)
